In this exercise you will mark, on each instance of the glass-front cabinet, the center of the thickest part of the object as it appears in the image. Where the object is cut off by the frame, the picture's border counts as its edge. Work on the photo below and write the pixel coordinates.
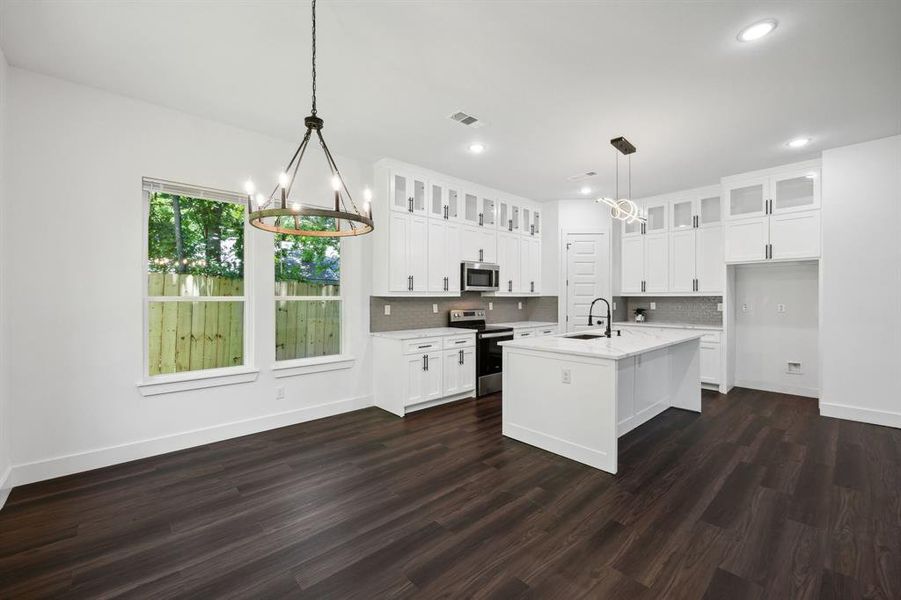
(437, 200)
(682, 214)
(655, 211)
(710, 211)
(471, 209)
(408, 193)
(747, 198)
(489, 211)
(796, 191)
(454, 204)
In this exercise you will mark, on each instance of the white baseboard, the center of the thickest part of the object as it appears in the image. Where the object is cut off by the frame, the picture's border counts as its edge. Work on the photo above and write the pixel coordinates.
(577, 452)
(864, 415)
(5, 485)
(794, 390)
(103, 457)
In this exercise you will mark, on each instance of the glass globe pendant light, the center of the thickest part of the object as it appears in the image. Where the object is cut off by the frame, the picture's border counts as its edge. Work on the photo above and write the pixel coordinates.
(279, 213)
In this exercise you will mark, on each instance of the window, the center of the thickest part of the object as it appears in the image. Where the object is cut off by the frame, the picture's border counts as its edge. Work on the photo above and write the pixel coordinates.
(307, 294)
(195, 294)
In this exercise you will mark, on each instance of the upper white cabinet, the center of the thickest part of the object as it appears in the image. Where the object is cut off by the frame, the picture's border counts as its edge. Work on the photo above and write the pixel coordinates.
(679, 249)
(408, 192)
(773, 214)
(433, 222)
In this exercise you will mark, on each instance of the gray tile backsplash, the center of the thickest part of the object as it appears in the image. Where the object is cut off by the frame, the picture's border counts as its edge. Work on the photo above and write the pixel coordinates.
(416, 313)
(697, 310)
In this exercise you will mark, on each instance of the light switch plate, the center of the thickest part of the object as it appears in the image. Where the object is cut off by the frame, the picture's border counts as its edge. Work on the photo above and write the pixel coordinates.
(280, 393)
(387, 310)
(435, 308)
(520, 305)
(566, 376)
(653, 306)
(491, 306)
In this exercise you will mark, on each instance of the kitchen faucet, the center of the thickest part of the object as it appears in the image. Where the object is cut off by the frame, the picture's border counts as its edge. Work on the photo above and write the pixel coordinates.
(609, 317)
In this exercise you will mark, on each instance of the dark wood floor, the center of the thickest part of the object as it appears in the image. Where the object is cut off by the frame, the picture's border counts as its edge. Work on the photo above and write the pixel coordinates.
(758, 497)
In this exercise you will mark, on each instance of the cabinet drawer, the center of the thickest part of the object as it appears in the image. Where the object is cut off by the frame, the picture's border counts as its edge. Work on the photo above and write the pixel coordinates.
(459, 341)
(422, 346)
(712, 337)
(546, 330)
(518, 333)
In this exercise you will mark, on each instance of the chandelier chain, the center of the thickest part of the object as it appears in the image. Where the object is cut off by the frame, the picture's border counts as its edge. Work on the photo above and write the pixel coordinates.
(314, 58)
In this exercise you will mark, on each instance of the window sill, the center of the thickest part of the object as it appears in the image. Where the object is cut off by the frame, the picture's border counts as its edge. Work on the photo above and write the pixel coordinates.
(306, 366)
(182, 382)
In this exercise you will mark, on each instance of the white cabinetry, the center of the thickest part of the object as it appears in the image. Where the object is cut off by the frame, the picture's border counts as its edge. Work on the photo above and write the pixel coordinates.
(443, 256)
(418, 372)
(408, 265)
(773, 214)
(530, 265)
(478, 244)
(712, 348)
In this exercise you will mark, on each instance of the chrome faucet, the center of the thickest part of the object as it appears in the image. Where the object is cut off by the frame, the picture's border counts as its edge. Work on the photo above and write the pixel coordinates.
(609, 316)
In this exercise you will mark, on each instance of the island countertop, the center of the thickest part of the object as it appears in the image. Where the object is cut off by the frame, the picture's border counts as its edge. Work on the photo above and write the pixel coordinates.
(630, 343)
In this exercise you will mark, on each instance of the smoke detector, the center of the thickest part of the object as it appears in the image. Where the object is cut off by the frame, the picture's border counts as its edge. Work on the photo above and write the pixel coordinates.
(466, 119)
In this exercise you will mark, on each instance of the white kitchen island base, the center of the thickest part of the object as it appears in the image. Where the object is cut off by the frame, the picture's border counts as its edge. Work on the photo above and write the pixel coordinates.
(576, 398)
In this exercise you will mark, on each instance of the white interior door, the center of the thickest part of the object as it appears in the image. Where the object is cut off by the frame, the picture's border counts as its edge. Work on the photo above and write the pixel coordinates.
(587, 276)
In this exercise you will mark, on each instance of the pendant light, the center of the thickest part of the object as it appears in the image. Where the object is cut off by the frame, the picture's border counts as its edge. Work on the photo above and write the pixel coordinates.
(279, 213)
(623, 209)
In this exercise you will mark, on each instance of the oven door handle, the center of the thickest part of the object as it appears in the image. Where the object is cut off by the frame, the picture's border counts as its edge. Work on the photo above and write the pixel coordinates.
(491, 336)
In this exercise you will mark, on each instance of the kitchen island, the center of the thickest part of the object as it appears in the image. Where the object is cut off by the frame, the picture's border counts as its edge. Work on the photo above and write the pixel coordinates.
(575, 394)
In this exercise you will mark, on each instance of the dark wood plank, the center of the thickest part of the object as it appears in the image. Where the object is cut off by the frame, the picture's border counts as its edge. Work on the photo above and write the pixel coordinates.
(758, 497)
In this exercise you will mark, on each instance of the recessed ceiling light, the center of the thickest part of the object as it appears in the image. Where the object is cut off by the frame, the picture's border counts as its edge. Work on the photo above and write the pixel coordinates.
(757, 30)
(798, 142)
(585, 190)
(476, 148)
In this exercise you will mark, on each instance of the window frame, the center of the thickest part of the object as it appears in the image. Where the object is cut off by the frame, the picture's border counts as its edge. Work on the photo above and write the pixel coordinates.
(313, 364)
(187, 380)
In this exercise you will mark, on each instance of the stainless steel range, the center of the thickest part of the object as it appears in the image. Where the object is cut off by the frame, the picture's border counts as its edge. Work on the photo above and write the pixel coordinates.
(489, 355)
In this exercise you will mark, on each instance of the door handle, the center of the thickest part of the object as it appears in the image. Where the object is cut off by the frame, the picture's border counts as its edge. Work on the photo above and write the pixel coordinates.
(410, 200)
(461, 357)
(481, 219)
(425, 364)
(481, 255)
(410, 283)
(510, 286)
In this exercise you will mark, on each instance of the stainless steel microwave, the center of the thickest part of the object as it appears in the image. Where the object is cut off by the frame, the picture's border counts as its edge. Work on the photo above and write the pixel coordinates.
(479, 277)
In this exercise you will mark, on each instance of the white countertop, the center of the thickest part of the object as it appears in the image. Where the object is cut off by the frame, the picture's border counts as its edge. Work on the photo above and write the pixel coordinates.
(630, 343)
(415, 334)
(670, 325)
(523, 324)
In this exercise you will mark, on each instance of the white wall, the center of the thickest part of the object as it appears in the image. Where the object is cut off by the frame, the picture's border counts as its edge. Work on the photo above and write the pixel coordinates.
(861, 295)
(75, 264)
(765, 339)
(5, 459)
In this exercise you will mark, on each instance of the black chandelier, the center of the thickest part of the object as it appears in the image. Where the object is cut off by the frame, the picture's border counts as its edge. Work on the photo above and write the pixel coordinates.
(279, 214)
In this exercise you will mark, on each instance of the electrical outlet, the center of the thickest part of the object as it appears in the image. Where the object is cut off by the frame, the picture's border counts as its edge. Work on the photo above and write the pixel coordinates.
(435, 308)
(387, 310)
(520, 305)
(491, 306)
(653, 306)
(566, 376)
(719, 307)
(780, 308)
(280, 392)
(793, 368)
(614, 306)
(745, 308)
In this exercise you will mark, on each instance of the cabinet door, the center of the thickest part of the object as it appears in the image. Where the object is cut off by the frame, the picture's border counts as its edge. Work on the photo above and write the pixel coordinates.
(437, 200)
(795, 235)
(467, 376)
(632, 264)
(526, 217)
(710, 363)
(437, 268)
(401, 192)
(398, 234)
(452, 372)
(656, 263)
(796, 191)
(656, 212)
(489, 211)
(525, 266)
(509, 262)
(453, 255)
(488, 245)
(709, 266)
(415, 378)
(420, 196)
(745, 240)
(503, 215)
(470, 243)
(454, 205)
(471, 209)
(536, 223)
(417, 252)
(632, 228)
(515, 218)
(682, 260)
(746, 198)
(432, 379)
(710, 212)
(682, 214)
(535, 258)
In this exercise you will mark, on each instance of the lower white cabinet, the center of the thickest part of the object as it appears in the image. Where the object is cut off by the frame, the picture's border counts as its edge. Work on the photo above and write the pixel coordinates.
(415, 372)
(710, 362)
(712, 345)
(459, 371)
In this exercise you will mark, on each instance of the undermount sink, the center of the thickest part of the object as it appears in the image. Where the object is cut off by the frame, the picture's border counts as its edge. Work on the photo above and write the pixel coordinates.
(585, 336)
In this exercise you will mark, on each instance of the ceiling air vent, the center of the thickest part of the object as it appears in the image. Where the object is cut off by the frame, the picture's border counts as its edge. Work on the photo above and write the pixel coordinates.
(466, 119)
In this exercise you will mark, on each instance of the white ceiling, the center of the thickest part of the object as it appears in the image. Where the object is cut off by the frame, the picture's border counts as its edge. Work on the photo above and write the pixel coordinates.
(554, 80)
